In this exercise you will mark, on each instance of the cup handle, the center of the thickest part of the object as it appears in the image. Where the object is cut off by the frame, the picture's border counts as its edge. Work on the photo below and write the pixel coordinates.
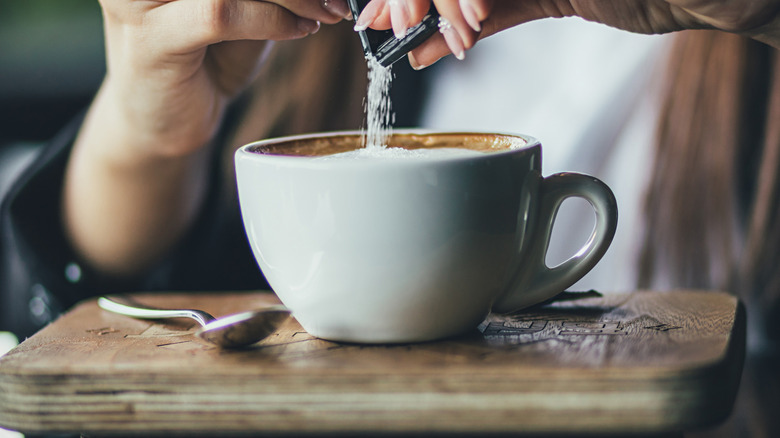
(534, 281)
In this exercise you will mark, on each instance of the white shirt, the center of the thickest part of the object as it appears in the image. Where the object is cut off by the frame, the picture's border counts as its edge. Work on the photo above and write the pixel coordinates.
(587, 92)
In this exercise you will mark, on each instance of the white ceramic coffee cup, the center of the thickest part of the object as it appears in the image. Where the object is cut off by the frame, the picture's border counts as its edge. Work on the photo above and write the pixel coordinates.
(407, 250)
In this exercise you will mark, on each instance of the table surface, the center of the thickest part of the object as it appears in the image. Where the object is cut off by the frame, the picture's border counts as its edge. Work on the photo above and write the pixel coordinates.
(645, 362)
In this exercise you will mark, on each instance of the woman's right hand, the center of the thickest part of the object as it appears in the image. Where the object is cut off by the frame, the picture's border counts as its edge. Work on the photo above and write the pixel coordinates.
(138, 173)
(173, 64)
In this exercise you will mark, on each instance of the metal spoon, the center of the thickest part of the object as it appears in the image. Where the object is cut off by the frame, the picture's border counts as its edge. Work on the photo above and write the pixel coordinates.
(232, 331)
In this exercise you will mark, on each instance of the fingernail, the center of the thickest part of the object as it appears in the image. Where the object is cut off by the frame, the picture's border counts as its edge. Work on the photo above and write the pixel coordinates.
(367, 17)
(363, 22)
(308, 26)
(399, 17)
(337, 8)
(470, 15)
(452, 39)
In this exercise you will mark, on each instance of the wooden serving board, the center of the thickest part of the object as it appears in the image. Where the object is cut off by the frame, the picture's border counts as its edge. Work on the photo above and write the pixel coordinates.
(645, 362)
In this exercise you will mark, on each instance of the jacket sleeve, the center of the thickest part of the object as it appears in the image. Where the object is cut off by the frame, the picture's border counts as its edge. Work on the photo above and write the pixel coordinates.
(41, 275)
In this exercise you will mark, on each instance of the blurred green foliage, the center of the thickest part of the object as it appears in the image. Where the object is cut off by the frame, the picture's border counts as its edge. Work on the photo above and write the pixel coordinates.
(44, 9)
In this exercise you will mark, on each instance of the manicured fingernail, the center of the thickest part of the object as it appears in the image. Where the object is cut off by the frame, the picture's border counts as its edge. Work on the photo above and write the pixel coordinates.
(308, 26)
(367, 17)
(452, 38)
(470, 15)
(399, 17)
(338, 8)
(363, 22)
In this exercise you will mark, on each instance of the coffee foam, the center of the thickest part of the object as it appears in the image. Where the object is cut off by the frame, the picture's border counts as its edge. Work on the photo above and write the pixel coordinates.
(400, 144)
(392, 153)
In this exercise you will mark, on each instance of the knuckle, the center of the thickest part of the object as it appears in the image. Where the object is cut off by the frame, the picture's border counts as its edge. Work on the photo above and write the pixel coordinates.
(217, 17)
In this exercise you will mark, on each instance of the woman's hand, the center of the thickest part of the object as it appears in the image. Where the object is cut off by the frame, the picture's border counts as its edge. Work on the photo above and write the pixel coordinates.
(174, 64)
(139, 169)
(759, 19)
(460, 26)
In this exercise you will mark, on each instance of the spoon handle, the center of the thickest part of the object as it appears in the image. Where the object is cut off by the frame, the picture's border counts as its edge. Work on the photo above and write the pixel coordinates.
(128, 307)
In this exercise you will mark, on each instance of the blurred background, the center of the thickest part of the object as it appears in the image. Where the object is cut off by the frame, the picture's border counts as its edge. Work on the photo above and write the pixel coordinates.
(51, 63)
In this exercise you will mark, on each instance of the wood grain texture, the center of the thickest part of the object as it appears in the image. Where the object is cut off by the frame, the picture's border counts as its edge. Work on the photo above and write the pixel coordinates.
(645, 362)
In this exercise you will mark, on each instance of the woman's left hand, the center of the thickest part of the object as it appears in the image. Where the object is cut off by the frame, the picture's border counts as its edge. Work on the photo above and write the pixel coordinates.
(459, 27)
(467, 21)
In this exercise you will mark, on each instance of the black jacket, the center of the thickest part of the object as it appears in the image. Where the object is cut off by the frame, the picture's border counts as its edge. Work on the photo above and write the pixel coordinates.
(41, 276)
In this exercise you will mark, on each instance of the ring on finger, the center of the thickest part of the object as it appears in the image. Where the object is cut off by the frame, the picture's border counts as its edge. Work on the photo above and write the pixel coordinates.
(444, 24)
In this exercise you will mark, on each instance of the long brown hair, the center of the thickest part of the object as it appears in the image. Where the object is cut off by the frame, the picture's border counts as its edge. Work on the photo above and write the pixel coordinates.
(712, 207)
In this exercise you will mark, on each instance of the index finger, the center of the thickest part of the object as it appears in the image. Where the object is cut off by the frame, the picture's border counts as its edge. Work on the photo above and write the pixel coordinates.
(198, 23)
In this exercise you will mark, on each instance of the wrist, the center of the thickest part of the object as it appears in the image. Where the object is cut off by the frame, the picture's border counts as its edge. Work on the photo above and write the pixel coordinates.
(151, 121)
(764, 26)
(768, 34)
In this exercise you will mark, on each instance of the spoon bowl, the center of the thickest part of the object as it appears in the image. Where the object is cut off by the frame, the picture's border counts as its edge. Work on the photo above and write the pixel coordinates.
(232, 331)
(246, 328)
